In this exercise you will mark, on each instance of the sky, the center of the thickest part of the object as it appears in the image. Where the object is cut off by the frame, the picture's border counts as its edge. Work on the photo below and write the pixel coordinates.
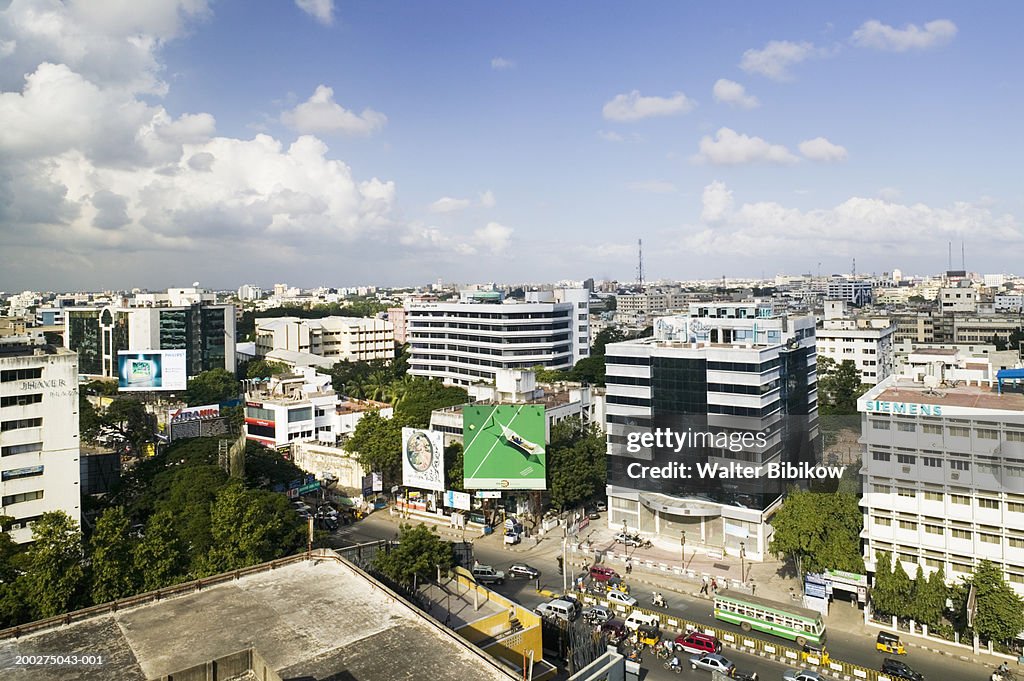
(154, 143)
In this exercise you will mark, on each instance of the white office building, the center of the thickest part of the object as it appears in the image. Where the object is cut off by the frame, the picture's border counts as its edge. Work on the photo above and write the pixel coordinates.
(855, 291)
(469, 341)
(943, 473)
(865, 341)
(39, 455)
(350, 339)
(725, 368)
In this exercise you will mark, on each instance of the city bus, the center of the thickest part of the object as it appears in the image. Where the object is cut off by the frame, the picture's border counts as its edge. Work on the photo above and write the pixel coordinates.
(779, 619)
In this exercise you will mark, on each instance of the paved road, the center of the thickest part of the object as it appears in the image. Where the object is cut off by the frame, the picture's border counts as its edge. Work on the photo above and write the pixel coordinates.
(842, 645)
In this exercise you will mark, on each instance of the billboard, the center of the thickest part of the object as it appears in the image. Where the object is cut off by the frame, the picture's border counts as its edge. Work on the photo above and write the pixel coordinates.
(151, 370)
(459, 500)
(504, 446)
(423, 459)
(183, 414)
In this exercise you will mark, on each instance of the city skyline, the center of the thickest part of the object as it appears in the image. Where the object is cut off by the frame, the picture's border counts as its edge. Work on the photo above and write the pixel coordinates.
(313, 141)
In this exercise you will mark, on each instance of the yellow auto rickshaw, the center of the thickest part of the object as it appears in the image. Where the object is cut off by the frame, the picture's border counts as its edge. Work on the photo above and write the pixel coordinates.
(890, 643)
(814, 654)
(648, 635)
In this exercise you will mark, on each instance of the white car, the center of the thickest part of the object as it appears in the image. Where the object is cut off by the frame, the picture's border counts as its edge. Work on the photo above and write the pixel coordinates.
(621, 598)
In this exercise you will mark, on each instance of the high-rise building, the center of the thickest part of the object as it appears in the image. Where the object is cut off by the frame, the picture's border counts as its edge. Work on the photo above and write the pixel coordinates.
(724, 368)
(865, 341)
(943, 472)
(39, 466)
(206, 332)
(351, 339)
(469, 341)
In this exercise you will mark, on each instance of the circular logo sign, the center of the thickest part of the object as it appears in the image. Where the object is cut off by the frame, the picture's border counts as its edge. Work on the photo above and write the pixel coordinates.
(420, 452)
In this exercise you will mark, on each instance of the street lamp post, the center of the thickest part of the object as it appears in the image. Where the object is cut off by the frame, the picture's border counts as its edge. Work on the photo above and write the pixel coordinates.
(682, 548)
(743, 556)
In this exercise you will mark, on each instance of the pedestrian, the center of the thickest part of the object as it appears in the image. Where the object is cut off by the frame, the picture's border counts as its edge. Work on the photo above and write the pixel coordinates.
(629, 566)
(714, 585)
(753, 587)
(704, 585)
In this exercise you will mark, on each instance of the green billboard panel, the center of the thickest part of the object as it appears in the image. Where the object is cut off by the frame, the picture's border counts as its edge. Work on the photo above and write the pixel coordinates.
(504, 446)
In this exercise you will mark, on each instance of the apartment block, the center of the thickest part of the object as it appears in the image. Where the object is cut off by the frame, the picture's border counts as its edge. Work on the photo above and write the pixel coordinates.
(343, 339)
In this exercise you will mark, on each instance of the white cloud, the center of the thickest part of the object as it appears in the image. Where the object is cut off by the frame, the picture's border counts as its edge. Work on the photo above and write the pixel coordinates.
(494, 238)
(732, 148)
(858, 226)
(731, 92)
(775, 58)
(502, 64)
(7, 48)
(610, 136)
(716, 203)
(321, 10)
(447, 204)
(321, 114)
(634, 106)
(820, 149)
(653, 187)
(876, 35)
(487, 199)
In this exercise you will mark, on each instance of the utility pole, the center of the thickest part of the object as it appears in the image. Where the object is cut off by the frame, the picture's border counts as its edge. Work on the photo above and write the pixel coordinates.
(640, 264)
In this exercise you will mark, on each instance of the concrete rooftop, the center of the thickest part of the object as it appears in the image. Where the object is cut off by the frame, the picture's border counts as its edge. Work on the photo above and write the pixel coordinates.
(318, 620)
(963, 395)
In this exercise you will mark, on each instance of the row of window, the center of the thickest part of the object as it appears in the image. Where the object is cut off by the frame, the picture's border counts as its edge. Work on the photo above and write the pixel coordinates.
(19, 498)
(954, 431)
(767, 616)
(961, 499)
(958, 564)
(17, 424)
(11, 450)
(10, 375)
(20, 400)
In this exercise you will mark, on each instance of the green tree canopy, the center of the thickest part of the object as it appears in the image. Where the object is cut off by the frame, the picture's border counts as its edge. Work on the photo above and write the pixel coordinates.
(54, 581)
(160, 557)
(416, 557)
(264, 368)
(839, 387)
(590, 370)
(928, 597)
(377, 444)
(453, 455)
(112, 548)
(128, 419)
(577, 467)
(1000, 611)
(424, 395)
(248, 527)
(819, 531)
(609, 334)
(212, 387)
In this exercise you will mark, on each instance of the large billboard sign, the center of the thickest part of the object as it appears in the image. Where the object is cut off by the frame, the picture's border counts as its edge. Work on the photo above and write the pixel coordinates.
(423, 459)
(151, 370)
(183, 414)
(504, 446)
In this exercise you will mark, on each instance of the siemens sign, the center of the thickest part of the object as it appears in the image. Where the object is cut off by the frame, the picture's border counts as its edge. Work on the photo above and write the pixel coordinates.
(909, 408)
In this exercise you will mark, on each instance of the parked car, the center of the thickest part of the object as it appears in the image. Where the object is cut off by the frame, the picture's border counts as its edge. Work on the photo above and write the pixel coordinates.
(619, 597)
(597, 615)
(601, 506)
(602, 573)
(698, 643)
(802, 675)
(485, 574)
(524, 570)
(594, 515)
(712, 663)
(557, 609)
(900, 670)
(628, 539)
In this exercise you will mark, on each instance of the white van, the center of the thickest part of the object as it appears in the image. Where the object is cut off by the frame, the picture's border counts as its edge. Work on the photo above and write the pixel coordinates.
(637, 619)
(558, 608)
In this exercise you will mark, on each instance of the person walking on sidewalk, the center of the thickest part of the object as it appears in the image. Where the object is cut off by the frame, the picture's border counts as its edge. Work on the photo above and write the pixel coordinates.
(704, 585)
(629, 566)
(714, 586)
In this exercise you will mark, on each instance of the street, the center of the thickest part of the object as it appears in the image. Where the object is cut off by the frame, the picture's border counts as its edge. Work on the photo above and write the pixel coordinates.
(857, 649)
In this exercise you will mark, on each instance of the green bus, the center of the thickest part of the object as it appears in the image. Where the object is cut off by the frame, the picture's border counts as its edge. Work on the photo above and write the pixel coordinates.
(788, 621)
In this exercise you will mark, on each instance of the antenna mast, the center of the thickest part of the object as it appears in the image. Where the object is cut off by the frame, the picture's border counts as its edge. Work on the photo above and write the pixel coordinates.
(640, 264)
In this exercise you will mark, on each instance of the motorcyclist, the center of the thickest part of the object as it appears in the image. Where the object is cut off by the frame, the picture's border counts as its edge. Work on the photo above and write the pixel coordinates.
(670, 646)
(658, 599)
(674, 664)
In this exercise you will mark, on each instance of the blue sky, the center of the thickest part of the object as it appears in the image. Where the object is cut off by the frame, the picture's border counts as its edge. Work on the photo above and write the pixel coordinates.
(395, 143)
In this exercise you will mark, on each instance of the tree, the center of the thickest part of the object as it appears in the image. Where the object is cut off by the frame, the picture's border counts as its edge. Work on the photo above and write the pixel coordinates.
(928, 597)
(424, 396)
(160, 557)
(267, 468)
(839, 387)
(54, 580)
(576, 463)
(456, 463)
(999, 342)
(417, 556)
(210, 387)
(247, 528)
(609, 334)
(883, 598)
(377, 444)
(590, 370)
(819, 531)
(113, 568)
(902, 588)
(263, 368)
(1000, 611)
(129, 420)
(14, 608)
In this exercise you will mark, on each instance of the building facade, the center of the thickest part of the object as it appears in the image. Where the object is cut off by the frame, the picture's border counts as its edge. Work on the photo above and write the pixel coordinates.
(943, 473)
(206, 332)
(867, 342)
(343, 339)
(467, 342)
(39, 445)
(725, 368)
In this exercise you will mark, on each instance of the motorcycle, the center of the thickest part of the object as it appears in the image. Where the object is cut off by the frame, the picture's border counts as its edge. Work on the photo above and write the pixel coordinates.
(677, 668)
(658, 601)
(1004, 674)
(634, 656)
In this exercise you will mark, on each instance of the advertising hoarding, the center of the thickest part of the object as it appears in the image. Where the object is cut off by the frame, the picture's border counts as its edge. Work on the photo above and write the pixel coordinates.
(505, 446)
(151, 370)
(423, 459)
(460, 500)
(206, 411)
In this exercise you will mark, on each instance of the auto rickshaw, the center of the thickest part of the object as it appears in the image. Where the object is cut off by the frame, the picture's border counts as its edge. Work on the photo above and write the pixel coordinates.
(616, 584)
(814, 652)
(890, 643)
(648, 635)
